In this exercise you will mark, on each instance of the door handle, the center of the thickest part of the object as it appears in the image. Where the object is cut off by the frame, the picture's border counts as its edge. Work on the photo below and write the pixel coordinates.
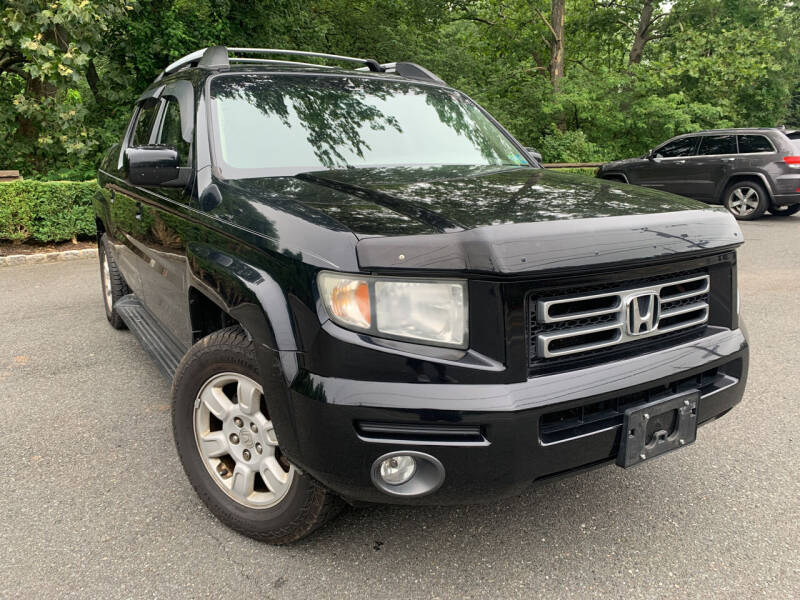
(680, 162)
(729, 159)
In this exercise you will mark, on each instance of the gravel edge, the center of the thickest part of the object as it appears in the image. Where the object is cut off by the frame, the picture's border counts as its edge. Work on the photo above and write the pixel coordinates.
(46, 257)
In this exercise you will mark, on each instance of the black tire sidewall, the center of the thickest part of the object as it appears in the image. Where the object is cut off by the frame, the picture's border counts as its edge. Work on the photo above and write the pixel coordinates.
(209, 361)
(763, 200)
(791, 210)
(118, 287)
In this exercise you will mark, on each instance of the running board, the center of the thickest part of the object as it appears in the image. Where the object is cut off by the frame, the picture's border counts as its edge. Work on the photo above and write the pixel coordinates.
(163, 348)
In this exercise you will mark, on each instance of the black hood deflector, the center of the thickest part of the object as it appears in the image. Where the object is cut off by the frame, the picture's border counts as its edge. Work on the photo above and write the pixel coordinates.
(553, 245)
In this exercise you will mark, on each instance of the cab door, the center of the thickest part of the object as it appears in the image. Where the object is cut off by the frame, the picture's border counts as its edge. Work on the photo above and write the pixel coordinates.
(665, 168)
(163, 210)
(125, 201)
(717, 156)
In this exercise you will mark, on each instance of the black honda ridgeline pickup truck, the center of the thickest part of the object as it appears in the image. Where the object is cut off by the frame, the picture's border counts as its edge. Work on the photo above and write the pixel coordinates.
(366, 290)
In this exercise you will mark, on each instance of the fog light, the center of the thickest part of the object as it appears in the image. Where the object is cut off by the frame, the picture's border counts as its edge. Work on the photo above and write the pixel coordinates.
(407, 473)
(398, 469)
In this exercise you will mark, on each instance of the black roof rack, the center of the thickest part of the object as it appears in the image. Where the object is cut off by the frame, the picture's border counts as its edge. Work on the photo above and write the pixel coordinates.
(220, 56)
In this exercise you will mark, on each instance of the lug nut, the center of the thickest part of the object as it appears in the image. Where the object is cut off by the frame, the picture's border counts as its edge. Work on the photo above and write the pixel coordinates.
(234, 438)
(258, 448)
(238, 422)
(253, 428)
(246, 454)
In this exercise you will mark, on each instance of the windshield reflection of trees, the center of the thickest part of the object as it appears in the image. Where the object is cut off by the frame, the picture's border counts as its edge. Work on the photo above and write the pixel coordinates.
(335, 111)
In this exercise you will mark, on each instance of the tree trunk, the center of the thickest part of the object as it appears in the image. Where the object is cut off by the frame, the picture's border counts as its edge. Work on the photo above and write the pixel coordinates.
(93, 80)
(557, 46)
(27, 128)
(641, 38)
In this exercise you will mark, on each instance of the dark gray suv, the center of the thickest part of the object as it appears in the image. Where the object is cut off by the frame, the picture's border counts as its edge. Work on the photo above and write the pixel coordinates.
(749, 170)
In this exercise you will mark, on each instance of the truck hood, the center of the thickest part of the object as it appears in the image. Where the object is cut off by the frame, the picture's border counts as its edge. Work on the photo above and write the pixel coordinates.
(448, 199)
(499, 220)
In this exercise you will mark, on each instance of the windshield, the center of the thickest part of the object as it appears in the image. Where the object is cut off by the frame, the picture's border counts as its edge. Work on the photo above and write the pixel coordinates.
(284, 125)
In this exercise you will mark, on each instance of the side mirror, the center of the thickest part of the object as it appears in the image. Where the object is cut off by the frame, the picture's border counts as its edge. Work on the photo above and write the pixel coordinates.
(650, 155)
(152, 165)
(535, 154)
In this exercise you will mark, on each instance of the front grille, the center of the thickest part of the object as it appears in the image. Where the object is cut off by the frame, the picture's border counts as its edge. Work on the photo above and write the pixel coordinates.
(582, 322)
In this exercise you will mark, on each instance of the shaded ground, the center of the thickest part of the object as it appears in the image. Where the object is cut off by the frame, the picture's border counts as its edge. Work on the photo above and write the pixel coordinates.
(95, 504)
(9, 248)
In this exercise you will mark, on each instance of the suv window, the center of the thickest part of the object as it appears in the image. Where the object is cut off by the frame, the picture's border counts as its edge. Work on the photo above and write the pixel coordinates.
(795, 139)
(171, 132)
(681, 147)
(717, 144)
(144, 123)
(749, 144)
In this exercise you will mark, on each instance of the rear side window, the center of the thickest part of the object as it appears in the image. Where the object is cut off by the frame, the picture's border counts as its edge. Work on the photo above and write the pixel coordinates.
(144, 123)
(750, 144)
(717, 144)
(795, 138)
(681, 147)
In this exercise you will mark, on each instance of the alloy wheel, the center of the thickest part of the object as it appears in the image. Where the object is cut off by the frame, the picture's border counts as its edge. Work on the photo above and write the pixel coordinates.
(107, 293)
(743, 201)
(237, 441)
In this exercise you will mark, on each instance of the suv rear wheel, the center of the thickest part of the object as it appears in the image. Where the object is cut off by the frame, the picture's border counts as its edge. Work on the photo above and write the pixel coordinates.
(114, 286)
(746, 200)
(784, 211)
(229, 449)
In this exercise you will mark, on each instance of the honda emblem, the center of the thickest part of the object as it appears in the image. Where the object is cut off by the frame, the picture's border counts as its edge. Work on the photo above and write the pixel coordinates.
(642, 313)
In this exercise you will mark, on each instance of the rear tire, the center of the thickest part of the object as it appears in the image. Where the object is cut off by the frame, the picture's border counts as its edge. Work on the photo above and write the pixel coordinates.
(784, 211)
(229, 450)
(746, 200)
(112, 282)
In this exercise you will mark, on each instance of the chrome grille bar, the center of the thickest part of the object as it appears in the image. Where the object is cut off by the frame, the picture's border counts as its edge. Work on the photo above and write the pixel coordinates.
(619, 316)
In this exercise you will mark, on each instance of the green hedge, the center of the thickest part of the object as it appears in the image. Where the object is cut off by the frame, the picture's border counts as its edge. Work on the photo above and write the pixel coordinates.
(46, 211)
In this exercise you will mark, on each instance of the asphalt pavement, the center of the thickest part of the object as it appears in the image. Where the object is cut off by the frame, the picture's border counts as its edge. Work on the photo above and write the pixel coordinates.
(94, 503)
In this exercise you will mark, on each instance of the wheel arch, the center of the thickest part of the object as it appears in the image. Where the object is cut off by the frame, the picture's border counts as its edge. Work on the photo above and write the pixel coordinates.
(740, 177)
(224, 290)
(615, 176)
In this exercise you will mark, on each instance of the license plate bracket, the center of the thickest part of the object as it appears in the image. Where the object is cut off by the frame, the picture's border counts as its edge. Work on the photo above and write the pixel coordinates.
(660, 426)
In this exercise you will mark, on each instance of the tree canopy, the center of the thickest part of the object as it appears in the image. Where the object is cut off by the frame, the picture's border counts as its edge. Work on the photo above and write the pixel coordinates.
(578, 79)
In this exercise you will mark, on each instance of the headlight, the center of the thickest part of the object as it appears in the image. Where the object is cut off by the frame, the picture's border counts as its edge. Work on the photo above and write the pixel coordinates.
(433, 312)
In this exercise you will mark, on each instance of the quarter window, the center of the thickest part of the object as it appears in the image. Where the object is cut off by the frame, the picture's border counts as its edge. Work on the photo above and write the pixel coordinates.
(749, 144)
(681, 147)
(717, 144)
(144, 123)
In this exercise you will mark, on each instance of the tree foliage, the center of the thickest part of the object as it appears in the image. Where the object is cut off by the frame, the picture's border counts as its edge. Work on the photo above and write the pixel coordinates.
(610, 78)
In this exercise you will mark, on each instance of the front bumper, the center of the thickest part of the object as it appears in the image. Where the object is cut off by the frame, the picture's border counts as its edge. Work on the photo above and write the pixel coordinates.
(521, 438)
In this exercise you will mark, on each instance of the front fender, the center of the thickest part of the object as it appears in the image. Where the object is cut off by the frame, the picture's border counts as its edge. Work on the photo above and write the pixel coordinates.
(247, 293)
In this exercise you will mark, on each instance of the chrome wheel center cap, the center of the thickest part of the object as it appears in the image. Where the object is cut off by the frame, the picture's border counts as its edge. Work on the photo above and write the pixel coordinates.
(247, 439)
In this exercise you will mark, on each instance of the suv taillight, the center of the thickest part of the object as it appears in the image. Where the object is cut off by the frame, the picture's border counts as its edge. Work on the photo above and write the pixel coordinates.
(792, 161)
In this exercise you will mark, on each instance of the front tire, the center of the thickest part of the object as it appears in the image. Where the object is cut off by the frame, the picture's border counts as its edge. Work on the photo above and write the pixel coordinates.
(784, 211)
(746, 200)
(229, 450)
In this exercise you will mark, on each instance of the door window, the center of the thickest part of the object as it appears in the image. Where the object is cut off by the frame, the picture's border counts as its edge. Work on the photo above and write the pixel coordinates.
(171, 132)
(681, 147)
(750, 144)
(717, 144)
(144, 123)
